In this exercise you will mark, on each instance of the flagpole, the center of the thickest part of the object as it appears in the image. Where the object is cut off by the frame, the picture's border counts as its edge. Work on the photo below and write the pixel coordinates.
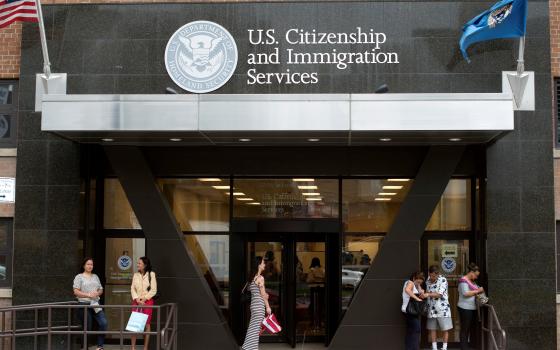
(520, 61)
(46, 61)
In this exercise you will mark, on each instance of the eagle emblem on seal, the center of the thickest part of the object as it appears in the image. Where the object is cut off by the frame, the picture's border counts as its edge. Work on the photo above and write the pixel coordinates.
(201, 56)
(499, 15)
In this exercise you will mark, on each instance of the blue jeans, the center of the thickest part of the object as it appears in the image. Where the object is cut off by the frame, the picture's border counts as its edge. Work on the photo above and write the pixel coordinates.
(413, 329)
(99, 319)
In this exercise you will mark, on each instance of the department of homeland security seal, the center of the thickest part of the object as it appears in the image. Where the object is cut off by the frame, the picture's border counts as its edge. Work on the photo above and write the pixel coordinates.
(201, 56)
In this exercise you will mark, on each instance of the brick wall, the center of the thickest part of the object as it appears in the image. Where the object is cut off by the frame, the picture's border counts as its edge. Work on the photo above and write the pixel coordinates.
(10, 44)
(554, 6)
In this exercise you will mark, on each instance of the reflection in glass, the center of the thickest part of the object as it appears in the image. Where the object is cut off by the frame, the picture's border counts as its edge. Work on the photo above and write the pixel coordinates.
(272, 251)
(198, 204)
(117, 212)
(453, 212)
(211, 254)
(4, 231)
(3, 267)
(6, 93)
(358, 252)
(286, 198)
(310, 288)
(456, 254)
(370, 205)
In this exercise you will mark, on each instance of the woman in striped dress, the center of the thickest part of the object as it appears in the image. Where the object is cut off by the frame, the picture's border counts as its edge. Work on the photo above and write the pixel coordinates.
(259, 304)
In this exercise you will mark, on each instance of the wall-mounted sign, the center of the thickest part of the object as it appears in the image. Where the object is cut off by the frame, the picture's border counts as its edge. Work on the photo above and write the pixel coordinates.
(7, 190)
(449, 250)
(201, 56)
(124, 262)
(448, 265)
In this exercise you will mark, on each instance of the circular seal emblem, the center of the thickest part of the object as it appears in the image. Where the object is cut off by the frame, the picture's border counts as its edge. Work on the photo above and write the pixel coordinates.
(124, 262)
(201, 56)
(448, 265)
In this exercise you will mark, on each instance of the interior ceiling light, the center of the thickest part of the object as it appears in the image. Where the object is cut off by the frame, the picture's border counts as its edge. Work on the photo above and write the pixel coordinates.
(254, 203)
(314, 199)
(387, 193)
(245, 140)
(385, 139)
(307, 187)
(455, 139)
(398, 180)
(107, 140)
(220, 187)
(245, 199)
(311, 194)
(238, 193)
(313, 140)
(391, 187)
(175, 139)
(209, 179)
(382, 199)
(304, 180)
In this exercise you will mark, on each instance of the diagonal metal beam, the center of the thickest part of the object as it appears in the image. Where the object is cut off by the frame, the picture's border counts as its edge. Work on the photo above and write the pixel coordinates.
(374, 318)
(179, 279)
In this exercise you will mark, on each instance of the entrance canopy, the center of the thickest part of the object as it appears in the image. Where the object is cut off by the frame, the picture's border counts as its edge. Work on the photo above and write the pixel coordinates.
(279, 119)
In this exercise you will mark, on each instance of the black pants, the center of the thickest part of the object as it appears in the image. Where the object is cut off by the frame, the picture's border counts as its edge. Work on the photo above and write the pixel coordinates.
(467, 318)
(412, 341)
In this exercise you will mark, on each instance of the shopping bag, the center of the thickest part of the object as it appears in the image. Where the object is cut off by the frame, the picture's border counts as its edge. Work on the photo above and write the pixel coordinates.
(136, 322)
(270, 324)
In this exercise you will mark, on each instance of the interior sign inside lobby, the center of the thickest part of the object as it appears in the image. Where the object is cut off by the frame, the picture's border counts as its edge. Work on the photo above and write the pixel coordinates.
(202, 56)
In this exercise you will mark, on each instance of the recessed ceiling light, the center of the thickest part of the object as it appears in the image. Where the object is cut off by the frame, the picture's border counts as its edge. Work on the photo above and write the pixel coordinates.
(254, 203)
(387, 193)
(209, 179)
(385, 139)
(245, 199)
(108, 140)
(455, 139)
(382, 199)
(225, 187)
(392, 187)
(304, 180)
(238, 193)
(311, 194)
(175, 139)
(398, 180)
(313, 140)
(306, 187)
(314, 199)
(245, 140)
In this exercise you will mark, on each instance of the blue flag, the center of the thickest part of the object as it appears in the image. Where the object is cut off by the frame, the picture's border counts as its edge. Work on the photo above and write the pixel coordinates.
(505, 19)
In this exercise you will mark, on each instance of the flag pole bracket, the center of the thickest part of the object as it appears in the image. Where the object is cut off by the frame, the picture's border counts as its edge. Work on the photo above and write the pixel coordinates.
(521, 87)
(54, 84)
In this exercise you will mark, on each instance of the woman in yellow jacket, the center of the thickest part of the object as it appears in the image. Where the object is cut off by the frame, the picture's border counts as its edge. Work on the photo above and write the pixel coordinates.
(143, 290)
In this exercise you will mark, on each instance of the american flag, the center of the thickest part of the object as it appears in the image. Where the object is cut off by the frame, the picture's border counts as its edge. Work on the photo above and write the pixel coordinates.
(17, 10)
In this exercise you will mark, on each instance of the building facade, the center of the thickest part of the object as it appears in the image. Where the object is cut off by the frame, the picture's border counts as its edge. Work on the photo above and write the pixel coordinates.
(271, 170)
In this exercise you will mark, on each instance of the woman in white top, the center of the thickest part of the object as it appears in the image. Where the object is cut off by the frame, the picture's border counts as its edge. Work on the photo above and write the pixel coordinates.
(143, 291)
(412, 289)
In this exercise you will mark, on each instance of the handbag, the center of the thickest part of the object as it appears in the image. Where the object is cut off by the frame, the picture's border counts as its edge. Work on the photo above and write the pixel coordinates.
(482, 299)
(415, 307)
(245, 293)
(137, 322)
(270, 324)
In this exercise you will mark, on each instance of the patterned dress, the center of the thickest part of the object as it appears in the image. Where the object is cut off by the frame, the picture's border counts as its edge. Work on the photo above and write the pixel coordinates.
(257, 316)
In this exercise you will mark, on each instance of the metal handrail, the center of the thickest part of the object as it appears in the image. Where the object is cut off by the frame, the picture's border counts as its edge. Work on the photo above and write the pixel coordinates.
(494, 337)
(166, 336)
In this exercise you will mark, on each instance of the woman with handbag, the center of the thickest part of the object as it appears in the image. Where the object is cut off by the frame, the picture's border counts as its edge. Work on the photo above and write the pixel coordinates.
(259, 304)
(87, 289)
(468, 292)
(143, 291)
(412, 295)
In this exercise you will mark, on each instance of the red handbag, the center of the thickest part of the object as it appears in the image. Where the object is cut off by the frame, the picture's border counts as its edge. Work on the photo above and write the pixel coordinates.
(270, 324)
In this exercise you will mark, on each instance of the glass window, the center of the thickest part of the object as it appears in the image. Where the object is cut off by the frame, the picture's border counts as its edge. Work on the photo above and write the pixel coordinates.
(117, 212)
(5, 129)
(211, 254)
(286, 198)
(453, 213)
(198, 204)
(6, 93)
(358, 253)
(121, 255)
(6, 239)
(371, 205)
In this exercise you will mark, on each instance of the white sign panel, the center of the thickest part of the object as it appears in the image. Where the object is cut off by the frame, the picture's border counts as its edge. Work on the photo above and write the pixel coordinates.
(7, 189)
(449, 250)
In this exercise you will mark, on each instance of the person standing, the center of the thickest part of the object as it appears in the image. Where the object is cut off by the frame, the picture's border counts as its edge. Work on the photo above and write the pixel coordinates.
(259, 304)
(87, 289)
(412, 289)
(468, 290)
(143, 290)
(439, 310)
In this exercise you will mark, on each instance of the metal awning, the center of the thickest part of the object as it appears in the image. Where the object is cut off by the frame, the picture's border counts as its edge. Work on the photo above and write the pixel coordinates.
(279, 119)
